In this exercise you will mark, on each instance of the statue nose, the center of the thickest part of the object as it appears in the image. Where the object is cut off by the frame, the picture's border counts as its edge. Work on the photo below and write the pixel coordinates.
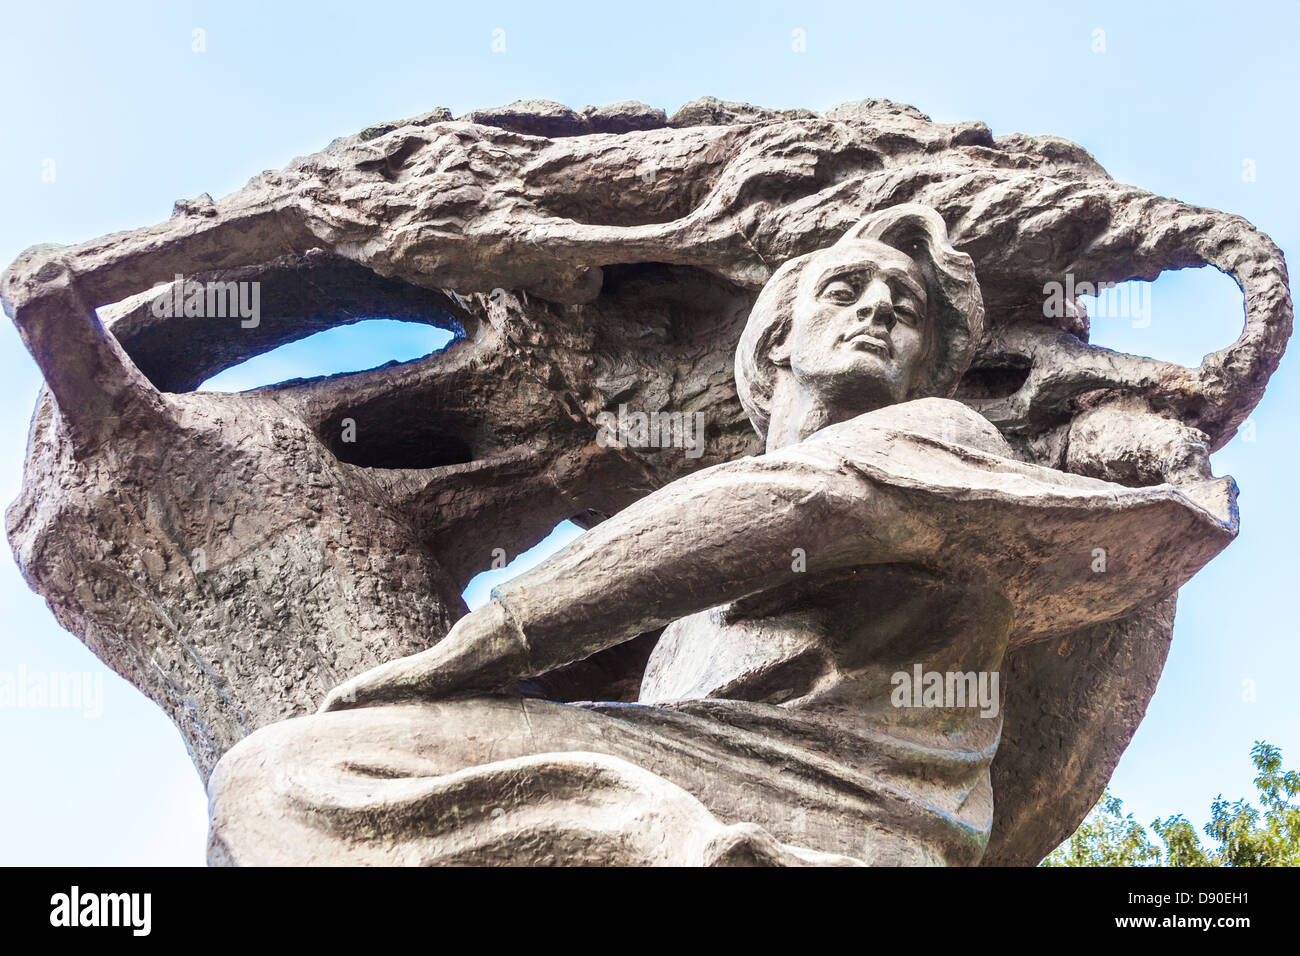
(877, 305)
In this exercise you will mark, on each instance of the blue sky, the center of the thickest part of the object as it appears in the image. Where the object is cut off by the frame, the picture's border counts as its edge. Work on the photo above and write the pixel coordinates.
(133, 118)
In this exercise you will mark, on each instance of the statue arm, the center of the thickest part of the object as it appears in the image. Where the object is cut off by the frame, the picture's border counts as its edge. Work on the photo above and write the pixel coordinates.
(709, 538)
(879, 488)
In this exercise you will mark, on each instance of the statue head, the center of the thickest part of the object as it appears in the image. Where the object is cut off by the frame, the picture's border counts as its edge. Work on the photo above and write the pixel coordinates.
(888, 313)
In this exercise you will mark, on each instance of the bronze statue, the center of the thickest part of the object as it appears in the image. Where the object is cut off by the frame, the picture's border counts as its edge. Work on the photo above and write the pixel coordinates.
(916, 621)
(886, 530)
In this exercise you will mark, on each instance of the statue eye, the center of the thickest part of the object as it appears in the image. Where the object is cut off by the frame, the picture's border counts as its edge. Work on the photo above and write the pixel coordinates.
(839, 291)
(907, 309)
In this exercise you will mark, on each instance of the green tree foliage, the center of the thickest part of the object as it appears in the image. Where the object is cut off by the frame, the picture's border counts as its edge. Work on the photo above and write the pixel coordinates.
(1106, 838)
(1240, 833)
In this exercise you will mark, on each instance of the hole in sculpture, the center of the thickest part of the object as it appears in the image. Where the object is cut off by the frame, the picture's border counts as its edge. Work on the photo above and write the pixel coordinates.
(380, 441)
(999, 378)
(1180, 317)
(480, 587)
(362, 345)
(611, 674)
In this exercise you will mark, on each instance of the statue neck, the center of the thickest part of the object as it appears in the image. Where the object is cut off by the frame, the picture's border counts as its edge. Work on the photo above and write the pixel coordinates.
(798, 413)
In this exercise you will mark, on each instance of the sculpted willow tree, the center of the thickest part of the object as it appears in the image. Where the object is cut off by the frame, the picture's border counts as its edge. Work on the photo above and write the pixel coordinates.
(953, 480)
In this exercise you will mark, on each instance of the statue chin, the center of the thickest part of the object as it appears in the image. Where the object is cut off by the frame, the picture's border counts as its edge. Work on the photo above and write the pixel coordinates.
(864, 389)
(835, 394)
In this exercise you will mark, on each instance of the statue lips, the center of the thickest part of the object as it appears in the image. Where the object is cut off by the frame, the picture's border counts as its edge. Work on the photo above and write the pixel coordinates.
(862, 339)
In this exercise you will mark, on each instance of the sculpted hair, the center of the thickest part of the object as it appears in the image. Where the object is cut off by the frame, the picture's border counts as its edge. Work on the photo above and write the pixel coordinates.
(955, 306)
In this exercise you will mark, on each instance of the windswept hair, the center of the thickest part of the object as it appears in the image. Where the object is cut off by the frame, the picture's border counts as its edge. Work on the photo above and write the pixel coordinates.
(954, 304)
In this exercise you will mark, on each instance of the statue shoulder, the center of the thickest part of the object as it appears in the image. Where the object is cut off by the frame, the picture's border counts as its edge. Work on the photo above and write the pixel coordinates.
(944, 419)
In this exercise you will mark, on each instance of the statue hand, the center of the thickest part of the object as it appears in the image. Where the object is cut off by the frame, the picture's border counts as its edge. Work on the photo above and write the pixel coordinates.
(481, 653)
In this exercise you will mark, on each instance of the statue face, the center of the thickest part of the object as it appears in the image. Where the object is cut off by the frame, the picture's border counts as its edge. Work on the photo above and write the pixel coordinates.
(859, 327)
